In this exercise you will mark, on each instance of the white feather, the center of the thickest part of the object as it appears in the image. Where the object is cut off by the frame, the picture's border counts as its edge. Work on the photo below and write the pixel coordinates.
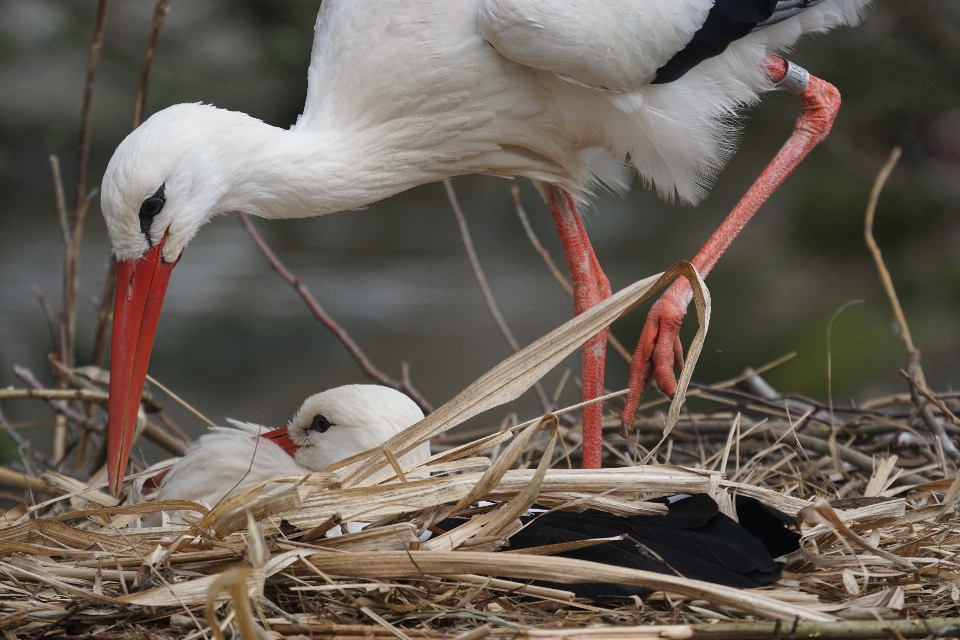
(225, 461)
(404, 92)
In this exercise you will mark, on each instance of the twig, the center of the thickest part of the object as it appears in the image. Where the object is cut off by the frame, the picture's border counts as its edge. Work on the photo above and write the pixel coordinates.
(875, 249)
(57, 399)
(917, 380)
(485, 286)
(83, 395)
(81, 199)
(932, 398)
(104, 315)
(159, 13)
(918, 391)
(48, 315)
(352, 347)
(24, 445)
(186, 405)
(539, 248)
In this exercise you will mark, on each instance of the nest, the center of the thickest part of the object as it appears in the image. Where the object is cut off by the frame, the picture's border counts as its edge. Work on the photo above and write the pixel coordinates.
(879, 559)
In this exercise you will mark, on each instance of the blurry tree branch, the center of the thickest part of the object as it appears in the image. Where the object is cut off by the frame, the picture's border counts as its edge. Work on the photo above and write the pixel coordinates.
(318, 312)
(485, 287)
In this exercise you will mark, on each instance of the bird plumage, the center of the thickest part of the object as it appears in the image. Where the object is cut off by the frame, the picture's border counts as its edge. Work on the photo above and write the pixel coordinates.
(404, 92)
(225, 461)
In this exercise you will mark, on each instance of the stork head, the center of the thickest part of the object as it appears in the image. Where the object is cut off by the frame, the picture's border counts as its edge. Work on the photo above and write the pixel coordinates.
(342, 422)
(165, 180)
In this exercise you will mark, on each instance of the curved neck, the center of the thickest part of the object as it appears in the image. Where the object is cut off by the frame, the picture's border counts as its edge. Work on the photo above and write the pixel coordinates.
(297, 174)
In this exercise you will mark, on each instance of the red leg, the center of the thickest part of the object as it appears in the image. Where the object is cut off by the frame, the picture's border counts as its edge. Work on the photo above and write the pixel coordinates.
(590, 286)
(659, 349)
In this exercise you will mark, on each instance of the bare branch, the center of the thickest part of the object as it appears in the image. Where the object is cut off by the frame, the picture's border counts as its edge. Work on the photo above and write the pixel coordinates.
(86, 117)
(81, 200)
(318, 312)
(159, 13)
(48, 315)
(104, 315)
(485, 286)
(82, 395)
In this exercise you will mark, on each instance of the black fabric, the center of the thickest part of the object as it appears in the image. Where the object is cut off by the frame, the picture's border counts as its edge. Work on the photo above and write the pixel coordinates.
(693, 540)
(728, 20)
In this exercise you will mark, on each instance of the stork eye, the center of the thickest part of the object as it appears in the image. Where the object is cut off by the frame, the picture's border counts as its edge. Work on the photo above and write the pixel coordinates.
(320, 424)
(149, 209)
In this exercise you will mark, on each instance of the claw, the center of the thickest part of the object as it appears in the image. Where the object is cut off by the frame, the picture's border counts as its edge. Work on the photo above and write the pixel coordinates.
(658, 352)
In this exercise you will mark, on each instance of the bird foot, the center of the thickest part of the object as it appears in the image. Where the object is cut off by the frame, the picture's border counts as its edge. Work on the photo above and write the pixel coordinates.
(658, 351)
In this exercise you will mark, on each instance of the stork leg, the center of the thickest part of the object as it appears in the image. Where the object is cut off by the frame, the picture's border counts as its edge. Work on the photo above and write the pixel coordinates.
(659, 349)
(590, 286)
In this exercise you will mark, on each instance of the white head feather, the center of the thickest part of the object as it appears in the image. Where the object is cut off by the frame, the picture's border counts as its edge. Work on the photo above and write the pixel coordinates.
(227, 460)
(342, 422)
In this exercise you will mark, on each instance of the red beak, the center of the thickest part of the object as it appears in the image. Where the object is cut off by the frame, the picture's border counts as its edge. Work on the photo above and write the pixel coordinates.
(281, 438)
(141, 285)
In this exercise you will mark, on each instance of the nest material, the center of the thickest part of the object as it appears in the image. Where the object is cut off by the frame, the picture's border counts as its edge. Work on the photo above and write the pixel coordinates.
(884, 559)
(879, 560)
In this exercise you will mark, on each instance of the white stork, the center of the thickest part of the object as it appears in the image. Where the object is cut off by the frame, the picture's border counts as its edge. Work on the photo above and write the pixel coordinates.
(405, 92)
(328, 427)
(692, 539)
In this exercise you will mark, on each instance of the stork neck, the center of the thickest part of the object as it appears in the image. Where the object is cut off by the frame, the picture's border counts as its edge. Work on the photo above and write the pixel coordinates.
(298, 174)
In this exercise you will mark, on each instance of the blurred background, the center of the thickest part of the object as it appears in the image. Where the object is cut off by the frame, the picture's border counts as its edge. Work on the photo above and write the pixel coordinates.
(236, 341)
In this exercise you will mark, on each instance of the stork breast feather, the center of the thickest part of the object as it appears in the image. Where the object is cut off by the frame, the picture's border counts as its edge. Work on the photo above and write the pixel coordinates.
(610, 44)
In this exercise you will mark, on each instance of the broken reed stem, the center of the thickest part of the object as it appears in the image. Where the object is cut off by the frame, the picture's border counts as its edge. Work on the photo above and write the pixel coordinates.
(318, 312)
(551, 265)
(485, 290)
(183, 403)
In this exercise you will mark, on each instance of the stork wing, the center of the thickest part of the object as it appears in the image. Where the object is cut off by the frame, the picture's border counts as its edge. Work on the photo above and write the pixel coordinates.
(622, 45)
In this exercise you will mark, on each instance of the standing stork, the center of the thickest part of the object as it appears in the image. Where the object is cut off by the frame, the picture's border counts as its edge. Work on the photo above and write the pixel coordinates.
(405, 92)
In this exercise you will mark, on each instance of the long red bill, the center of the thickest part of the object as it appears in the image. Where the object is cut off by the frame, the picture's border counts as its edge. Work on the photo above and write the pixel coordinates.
(141, 285)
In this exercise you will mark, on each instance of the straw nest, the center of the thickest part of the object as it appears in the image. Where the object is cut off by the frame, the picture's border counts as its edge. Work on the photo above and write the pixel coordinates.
(877, 561)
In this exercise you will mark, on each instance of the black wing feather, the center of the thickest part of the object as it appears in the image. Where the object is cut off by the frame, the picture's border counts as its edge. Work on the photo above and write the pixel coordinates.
(728, 21)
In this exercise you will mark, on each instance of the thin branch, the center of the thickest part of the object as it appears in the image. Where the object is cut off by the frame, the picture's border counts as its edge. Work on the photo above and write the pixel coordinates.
(875, 249)
(62, 215)
(923, 391)
(186, 405)
(58, 397)
(104, 315)
(920, 394)
(81, 200)
(49, 316)
(318, 312)
(159, 13)
(24, 445)
(485, 286)
(82, 395)
(551, 265)
(86, 117)
(535, 241)
(915, 376)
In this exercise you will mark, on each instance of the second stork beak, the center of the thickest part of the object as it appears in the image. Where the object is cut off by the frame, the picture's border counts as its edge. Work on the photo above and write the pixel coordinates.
(141, 285)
